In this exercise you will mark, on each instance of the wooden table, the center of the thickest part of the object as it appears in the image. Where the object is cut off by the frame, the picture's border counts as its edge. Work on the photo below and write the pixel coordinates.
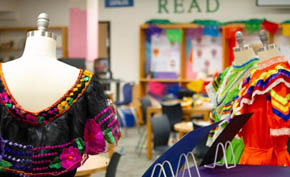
(202, 109)
(182, 128)
(93, 165)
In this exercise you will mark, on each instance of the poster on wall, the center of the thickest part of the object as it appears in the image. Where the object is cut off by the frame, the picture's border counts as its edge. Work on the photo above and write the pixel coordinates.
(165, 54)
(283, 42)
(206, 56)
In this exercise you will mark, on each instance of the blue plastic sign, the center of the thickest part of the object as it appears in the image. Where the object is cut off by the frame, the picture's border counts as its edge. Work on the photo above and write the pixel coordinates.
(119, 3)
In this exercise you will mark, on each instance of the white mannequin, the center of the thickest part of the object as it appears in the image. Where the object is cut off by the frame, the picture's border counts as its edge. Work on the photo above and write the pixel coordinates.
(267, 51)
(37, 79)
(242, 53)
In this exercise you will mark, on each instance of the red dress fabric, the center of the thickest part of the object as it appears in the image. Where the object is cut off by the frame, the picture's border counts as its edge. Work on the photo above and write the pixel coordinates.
(266, 94)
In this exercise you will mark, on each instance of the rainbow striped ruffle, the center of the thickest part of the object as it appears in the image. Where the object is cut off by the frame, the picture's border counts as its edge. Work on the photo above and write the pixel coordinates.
(264, 81)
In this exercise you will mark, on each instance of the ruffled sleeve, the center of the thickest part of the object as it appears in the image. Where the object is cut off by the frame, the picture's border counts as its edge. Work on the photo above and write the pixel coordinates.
(265, 79)
(212, 87)
(102, 125)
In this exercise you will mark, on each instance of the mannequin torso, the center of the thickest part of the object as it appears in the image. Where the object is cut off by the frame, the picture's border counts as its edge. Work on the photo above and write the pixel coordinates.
(37, 79)
(243, 56)
(267, 54)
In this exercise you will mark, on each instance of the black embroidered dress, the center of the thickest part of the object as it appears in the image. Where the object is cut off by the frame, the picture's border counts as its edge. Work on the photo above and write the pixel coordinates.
(56, 140)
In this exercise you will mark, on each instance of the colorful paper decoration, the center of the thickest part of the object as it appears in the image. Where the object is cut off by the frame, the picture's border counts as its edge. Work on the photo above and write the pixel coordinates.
(270, 26)
(252, 27)
(230, 31)
(230, 35)
(286, 29)
(207, 22)
(211, 31)
(153, 29)
(194, 33)
(174, 35)
(158, 21)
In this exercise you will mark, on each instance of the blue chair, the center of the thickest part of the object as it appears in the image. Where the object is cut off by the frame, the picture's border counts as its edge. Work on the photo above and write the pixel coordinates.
(127, 95)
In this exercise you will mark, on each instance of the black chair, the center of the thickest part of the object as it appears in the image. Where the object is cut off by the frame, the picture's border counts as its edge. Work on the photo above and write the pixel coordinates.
(113, 164)
(145, 103)
(161, 132)
(174, 113)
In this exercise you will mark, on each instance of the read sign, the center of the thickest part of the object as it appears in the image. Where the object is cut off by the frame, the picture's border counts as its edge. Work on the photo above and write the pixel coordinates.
(187, 6)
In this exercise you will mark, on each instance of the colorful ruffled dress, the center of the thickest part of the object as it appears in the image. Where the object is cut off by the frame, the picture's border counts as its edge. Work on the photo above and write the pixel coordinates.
(265, 93)
(58, 139)
(223, 91)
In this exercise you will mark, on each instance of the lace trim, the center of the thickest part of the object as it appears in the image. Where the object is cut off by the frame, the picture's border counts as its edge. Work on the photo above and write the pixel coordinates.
(270, 62)
(211, 92)
(280, 132)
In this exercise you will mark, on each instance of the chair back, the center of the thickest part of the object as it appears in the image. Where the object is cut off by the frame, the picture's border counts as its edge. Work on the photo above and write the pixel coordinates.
(113, 164)
(145, 103)
(161, 130)
(127, 94)
(173, 112)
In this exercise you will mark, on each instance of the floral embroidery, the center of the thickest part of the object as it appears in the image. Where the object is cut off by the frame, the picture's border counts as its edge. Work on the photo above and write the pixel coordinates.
(94, 139)
(69, 157)
(51, 113)
(62, 107)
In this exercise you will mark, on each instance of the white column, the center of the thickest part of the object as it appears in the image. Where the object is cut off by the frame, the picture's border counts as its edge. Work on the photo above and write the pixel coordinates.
(92, 30)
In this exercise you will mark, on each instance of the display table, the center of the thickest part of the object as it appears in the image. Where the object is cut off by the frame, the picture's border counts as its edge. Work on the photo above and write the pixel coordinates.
(182, 128)
(93, 165)
(201, 109)
(241, 171)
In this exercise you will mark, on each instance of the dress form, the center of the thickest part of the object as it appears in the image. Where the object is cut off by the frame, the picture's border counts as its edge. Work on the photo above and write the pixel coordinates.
(37, 79)
(242, 53)
(268, 50)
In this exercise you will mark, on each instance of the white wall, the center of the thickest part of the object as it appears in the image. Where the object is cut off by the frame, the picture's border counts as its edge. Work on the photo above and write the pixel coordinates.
(125, 21)
(28, 10)
(125, 24)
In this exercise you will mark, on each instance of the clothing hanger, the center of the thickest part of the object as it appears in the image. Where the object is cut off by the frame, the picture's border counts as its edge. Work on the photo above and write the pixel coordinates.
(242, 53)
(268, 51)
